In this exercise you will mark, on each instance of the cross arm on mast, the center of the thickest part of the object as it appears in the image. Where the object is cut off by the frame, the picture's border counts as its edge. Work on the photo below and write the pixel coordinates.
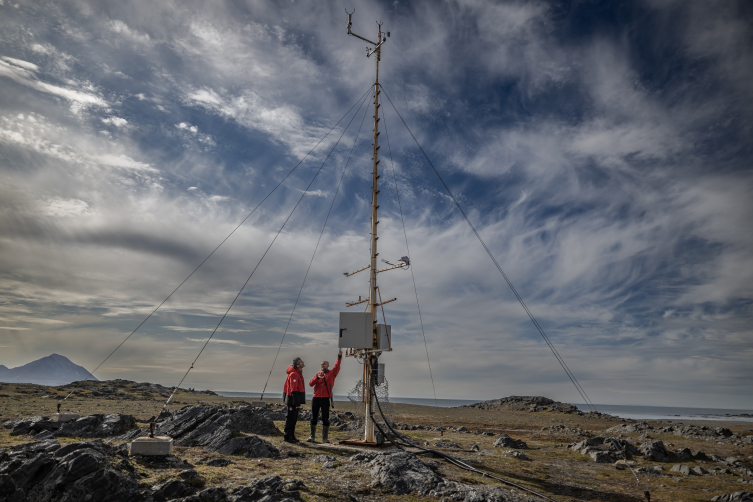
(350, 23)
(348, 274)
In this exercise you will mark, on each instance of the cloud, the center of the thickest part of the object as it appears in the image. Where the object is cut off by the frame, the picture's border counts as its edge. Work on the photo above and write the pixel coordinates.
(22, 76)
(115, 121)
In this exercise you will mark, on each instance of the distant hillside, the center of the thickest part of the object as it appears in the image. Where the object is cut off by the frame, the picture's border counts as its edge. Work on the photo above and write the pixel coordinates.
(51, 370)
(522, 403)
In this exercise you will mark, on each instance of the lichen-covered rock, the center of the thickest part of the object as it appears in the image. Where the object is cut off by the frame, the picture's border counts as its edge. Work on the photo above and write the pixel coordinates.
(402, 471)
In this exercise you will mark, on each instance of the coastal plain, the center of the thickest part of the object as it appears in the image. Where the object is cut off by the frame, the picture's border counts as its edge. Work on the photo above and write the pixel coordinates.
(548, 465)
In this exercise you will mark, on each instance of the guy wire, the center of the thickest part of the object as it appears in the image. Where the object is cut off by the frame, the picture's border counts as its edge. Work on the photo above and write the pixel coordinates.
(405, 234)
(315, 249)
(221, 243)
(569, 373)
(260, 260)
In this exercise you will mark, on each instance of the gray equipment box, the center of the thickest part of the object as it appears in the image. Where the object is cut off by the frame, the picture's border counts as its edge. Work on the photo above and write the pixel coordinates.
(377, 373)
(356, 330)
(384, 337)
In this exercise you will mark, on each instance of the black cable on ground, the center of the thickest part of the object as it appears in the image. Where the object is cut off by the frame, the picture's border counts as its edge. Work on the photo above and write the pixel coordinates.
(223, 241)
(569, 373)
(259, 262)
(405, 234)
(456, 462)
(315, 249)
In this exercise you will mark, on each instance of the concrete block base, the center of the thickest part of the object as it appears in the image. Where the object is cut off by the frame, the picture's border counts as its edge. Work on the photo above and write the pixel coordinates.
(258, 404)
(65, 417)
(160, 445)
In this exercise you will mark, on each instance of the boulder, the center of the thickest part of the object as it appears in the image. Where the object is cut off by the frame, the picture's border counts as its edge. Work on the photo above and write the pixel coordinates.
(621, 445)
(655, 450)
(587, 442)
(247, 446)
(402, 471)
(603, 457)
(171, 490)
(698, 470)
(682, 469)
(517, 454)
(508, 442)
(682, 454)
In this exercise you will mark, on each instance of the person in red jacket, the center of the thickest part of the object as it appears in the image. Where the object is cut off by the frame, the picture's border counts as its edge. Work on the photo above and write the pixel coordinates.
(294, 395)
(323, 383)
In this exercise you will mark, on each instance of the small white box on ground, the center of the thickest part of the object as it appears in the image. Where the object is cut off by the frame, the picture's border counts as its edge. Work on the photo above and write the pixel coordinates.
(65, 417)
(160, 445)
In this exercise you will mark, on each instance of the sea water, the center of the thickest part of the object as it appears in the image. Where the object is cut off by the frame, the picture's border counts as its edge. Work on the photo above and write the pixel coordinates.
(623, 411)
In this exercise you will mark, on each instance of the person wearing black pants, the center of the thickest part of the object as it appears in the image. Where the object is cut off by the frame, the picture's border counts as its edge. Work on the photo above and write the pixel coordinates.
(323, 382)
(293, 396)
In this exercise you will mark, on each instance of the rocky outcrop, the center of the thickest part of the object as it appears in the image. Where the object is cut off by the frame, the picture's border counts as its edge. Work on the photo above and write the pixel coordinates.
(220, 430)
(402, 471)
(734, 497)
(193, 425)
(97, 426)
(537, 403)
(45, 471)
(92, 426)
(449, 490)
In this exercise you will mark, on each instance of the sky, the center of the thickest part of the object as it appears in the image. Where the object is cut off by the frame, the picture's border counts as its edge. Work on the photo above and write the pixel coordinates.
(602, 149)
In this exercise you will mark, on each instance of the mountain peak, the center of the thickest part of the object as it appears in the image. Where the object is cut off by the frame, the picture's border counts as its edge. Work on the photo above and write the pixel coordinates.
(49, 370)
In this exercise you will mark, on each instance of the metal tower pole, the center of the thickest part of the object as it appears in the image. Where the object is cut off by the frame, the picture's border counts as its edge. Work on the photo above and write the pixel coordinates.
(371, 357)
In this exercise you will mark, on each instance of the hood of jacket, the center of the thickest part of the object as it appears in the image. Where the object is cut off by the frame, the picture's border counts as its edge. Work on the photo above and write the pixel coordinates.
(292, 368)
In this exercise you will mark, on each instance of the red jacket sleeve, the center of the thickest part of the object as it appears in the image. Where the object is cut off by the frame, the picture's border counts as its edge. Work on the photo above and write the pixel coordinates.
(312, 382)
(336, 369)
